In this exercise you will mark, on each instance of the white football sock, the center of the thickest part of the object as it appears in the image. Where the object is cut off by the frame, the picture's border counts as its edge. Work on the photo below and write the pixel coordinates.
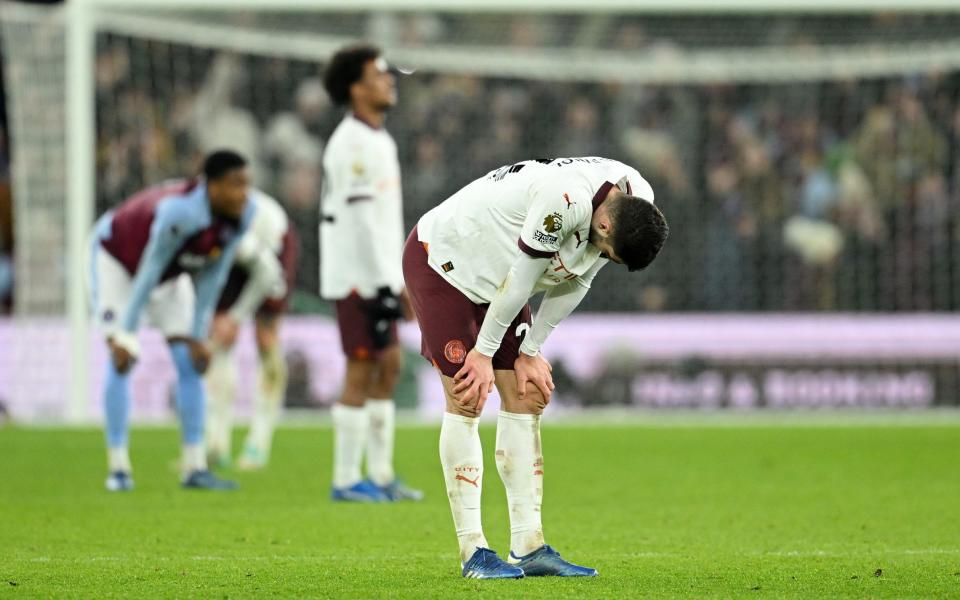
(193, 458)
(520, 463)
(221, 380)
(272, 386)
(118, 459)
(380, 442)
(461, 457)
(350, 424)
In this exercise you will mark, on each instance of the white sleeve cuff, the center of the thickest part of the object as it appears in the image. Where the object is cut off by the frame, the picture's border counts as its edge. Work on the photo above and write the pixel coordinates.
(126, 340)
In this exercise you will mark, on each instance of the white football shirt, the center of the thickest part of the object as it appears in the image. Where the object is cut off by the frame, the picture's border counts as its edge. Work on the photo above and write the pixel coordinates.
(541, 207)
(267, 229)
(361, 229)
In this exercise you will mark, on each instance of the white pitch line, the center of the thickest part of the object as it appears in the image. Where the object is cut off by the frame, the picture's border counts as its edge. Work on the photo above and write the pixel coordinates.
(446, 556)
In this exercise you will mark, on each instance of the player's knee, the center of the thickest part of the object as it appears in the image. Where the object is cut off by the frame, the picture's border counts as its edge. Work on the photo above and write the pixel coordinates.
(390, 366)
(534, 402)
(462, 411)
(222, 333)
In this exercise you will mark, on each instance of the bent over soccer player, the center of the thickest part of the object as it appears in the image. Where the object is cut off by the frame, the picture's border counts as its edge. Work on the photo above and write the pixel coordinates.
(259, 284)
(471, 265)
(166, 251)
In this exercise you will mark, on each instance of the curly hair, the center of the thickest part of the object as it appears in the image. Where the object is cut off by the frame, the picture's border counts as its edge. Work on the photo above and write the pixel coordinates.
(346, 68)
(639, 230)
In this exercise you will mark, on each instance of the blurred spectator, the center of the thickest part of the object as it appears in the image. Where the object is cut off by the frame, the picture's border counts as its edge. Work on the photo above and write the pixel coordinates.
(218, 121)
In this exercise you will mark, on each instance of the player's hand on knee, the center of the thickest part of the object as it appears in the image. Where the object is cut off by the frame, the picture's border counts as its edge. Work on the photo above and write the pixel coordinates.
(124, 349)
(474, 381)
(200, 355)
(122, 358)
(535, 370)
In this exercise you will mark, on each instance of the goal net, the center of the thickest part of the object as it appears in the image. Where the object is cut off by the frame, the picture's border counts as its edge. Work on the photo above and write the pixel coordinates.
(806, 158)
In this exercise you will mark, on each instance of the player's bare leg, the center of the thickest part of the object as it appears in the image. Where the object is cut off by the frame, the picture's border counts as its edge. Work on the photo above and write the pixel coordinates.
(221, 380)
(519, 457)
(271, 388)
(351, 424)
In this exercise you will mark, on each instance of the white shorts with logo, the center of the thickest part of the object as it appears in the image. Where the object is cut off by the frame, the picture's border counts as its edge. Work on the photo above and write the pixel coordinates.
(170, 307)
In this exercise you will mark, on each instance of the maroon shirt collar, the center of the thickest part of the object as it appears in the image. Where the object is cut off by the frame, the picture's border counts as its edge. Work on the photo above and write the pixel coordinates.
(601, 195)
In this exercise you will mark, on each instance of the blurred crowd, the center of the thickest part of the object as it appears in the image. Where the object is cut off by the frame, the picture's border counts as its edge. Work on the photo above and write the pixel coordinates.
(840, 195)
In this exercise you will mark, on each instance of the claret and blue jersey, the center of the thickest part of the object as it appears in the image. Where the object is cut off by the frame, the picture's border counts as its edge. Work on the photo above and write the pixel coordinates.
(166, 230)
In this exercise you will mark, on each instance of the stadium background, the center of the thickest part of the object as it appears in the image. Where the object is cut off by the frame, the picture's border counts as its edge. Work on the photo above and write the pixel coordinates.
(813, 257)
(805, 151)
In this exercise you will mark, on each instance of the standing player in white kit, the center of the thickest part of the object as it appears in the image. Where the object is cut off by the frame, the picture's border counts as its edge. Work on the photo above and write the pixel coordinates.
(471, 265)
(361, 240)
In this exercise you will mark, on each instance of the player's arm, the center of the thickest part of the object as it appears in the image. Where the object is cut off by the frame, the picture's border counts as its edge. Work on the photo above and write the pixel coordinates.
(169, 231)
(558, 303)
(265, 280)
(475, 379)
(209, 281)
(511, 297)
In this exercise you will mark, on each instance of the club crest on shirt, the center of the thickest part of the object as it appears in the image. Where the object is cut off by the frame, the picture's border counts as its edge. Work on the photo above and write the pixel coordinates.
(455, 352)
(358, 169)
(552, 222)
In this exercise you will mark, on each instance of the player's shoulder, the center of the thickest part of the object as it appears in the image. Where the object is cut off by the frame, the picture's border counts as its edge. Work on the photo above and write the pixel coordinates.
(349, 138)
(629, 179)
(267, 207)
(184, 202)
(186, 211)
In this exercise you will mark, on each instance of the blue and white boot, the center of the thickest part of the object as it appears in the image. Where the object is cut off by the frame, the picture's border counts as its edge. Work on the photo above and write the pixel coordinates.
(485, 564)
(546, 562)
(363, 491)
(397, 491)
(206, 480)
(119, 481)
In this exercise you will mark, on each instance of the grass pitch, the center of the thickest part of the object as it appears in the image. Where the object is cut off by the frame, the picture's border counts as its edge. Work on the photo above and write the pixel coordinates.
(748, 512)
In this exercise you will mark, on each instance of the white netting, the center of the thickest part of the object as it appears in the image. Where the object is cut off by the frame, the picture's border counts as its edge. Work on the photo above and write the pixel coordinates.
(33, 50)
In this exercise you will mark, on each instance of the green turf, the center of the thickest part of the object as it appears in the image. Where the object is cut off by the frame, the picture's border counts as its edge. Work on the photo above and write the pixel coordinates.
(808, 512)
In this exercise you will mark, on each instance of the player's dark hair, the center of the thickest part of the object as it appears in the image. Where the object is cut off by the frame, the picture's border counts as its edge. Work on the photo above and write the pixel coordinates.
(346, 68)
(219, 163)
(639, 230)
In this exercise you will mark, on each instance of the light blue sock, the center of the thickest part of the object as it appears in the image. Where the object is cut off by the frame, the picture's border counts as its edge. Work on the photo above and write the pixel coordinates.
(116, 400)
(191, 398)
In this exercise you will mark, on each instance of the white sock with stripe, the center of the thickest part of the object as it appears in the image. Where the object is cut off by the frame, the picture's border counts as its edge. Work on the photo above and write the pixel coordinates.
(520, 463)
(461, 457)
